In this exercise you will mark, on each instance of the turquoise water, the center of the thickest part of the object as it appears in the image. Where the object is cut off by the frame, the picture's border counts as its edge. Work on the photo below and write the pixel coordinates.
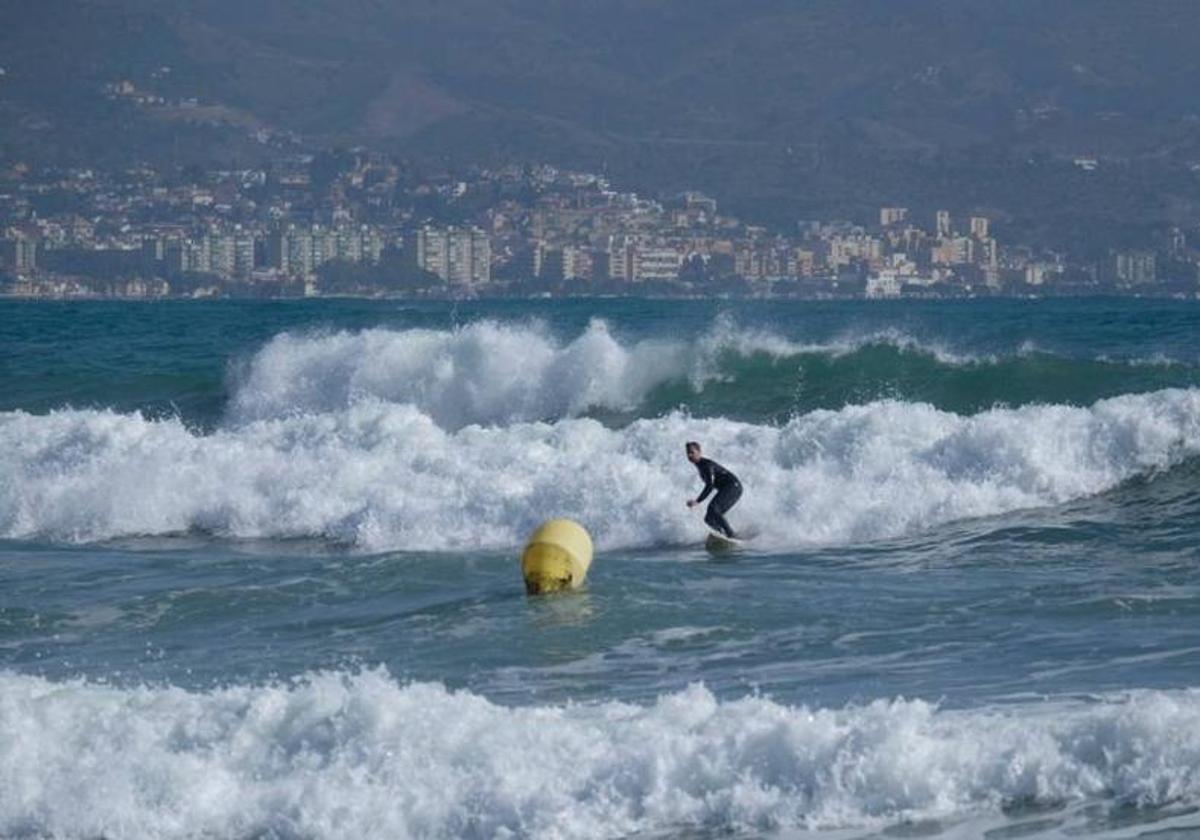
(259, 569)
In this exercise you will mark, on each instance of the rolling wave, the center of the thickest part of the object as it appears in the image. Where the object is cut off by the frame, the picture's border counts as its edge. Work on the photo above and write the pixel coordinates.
(484, 373)
(337, 754)
(489, 373)
(384, 476)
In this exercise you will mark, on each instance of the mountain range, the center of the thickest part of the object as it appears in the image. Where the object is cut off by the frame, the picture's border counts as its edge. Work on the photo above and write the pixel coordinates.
(783, 108)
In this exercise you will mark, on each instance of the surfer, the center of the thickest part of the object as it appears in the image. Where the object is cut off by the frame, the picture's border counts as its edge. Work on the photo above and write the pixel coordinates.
(728, 488)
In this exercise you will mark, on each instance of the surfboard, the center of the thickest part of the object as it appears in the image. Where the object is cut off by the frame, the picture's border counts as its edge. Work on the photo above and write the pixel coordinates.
(717, 542)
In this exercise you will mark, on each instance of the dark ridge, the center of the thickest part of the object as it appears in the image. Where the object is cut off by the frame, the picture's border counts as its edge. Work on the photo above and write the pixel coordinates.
(782, 109)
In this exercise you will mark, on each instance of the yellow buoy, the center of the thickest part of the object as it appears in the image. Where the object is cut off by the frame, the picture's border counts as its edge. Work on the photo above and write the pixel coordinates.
(556, 557)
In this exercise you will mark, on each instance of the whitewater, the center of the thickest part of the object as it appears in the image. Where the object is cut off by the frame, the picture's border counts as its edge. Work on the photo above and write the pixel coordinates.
(259, 565)
(384, 476)
(351, 756)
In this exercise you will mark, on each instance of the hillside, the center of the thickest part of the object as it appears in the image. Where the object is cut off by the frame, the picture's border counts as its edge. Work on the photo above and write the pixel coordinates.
(783, 107)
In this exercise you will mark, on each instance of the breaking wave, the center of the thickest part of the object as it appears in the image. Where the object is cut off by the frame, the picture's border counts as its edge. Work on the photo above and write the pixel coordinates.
(336, 755)
(383, 475)
(490, 373)
(484, 373)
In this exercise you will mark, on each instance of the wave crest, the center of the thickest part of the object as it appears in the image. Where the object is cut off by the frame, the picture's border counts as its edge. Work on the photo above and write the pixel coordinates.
(489, 373)
(386, 476)
(484, 373)
(356, 755)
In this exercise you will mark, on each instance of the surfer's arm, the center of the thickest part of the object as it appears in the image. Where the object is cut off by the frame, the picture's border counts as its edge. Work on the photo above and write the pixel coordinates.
(707, 475)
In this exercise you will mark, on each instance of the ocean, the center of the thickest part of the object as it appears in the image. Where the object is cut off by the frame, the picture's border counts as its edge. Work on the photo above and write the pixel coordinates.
(260, 579)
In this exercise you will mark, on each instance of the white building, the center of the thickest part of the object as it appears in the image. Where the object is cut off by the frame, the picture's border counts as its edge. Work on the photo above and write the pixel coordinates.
(656, 263)
(885, 284)
(460, 256)
(944, 229)
(300, 251)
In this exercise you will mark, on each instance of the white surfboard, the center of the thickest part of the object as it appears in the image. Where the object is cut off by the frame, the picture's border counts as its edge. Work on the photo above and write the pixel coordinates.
(716, 541)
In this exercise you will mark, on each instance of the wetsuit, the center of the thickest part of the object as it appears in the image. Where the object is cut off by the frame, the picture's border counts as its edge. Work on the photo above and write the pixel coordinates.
(728, 488)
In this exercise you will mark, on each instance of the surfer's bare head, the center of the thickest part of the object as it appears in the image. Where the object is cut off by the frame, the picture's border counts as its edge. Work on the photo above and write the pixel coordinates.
(693, 451)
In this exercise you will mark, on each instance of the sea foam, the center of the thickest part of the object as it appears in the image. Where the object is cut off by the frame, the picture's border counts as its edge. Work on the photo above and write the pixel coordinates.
(482, 373)
(383, 475)
(491, 373)
(350, 755)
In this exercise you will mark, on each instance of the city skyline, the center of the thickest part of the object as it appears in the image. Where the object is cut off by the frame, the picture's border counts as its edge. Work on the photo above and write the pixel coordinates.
(514, 230)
